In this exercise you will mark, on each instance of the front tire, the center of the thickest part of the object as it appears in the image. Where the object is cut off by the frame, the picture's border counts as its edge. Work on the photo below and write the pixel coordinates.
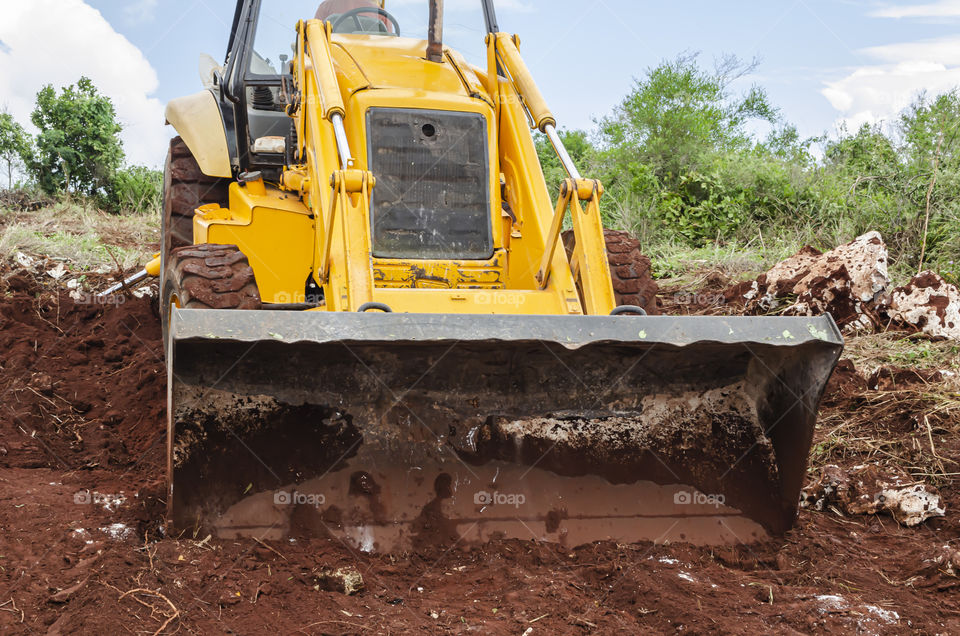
(631, 272)
(207, 277)
(186, 188)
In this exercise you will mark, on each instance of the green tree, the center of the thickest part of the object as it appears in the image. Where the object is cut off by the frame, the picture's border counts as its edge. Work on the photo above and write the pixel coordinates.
(78, 148)
(680, 115)
(14, 144)
(869, 154)
(671, 149)
(930, 128)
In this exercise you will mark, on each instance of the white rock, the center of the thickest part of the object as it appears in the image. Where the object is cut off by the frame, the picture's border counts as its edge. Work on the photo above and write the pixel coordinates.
(841, 282)
(888, 616)
(913, 505)
(865, 260)
(866, 490)
(929, 303)
(118, 531)
(57, 272)
(23, 260)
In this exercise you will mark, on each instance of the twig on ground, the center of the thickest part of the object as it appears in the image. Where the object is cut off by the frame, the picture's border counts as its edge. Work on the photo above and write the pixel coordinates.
(118, 274)
(153, 609)
(13, 609)
(269, 548)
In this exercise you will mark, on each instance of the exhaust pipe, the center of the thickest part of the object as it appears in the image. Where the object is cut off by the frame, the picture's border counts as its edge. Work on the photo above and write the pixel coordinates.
(435, 32)
(490, 16)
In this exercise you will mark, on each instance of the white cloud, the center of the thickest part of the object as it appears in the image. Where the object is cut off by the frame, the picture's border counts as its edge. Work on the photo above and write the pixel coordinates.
(941, 9)
(879, 92)
(943, 50)
(58, 41)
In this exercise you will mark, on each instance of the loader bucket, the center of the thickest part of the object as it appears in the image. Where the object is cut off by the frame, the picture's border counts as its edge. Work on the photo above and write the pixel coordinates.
(395, 431)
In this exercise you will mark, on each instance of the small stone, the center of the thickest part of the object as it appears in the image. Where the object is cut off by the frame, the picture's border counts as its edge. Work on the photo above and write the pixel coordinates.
(230, 599)
(42, 383)
(346, 580)
(866, 490)
(76, 358)
(112, 418)
(64, 596)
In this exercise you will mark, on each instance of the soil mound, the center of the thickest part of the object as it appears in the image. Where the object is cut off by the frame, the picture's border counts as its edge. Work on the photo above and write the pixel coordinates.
(82, 442)
(84, 383)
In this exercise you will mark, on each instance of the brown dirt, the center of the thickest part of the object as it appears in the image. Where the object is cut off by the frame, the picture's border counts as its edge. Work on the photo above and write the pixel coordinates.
(24, 200)
(83, 397)
(704, 296)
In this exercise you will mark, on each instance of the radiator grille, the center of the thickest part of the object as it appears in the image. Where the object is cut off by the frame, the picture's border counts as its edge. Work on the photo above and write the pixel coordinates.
(432, 195)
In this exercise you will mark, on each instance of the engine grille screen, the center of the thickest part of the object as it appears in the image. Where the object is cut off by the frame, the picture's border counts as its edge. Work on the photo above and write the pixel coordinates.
(431, 200)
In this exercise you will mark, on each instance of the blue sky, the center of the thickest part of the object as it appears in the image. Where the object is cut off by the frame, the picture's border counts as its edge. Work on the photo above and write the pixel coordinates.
(822, 62)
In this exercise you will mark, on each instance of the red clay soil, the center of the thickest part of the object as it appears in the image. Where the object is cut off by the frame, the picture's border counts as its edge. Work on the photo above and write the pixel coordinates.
(81, 454)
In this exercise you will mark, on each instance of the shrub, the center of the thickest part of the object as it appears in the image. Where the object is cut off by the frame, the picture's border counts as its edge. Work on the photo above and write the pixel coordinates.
(135, 189)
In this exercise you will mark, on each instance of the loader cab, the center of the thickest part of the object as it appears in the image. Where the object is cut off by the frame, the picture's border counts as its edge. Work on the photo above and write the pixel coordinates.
(443, 209)
(256, 81)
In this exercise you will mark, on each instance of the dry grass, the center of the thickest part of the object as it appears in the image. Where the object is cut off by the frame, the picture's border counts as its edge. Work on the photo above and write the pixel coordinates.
(80, 234)
(871, 352)
(916, 429)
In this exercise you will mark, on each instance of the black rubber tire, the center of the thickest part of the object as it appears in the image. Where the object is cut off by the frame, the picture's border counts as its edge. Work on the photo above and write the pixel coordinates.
(630, 270)
(208, 277)
(185, 188)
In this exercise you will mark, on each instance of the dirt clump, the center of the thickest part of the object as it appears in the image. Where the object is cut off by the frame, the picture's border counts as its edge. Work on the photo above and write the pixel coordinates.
(845, 382)
(898, 378)
(23, 200)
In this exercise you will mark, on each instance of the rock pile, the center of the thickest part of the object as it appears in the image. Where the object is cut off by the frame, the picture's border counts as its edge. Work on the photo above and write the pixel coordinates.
(852, 284)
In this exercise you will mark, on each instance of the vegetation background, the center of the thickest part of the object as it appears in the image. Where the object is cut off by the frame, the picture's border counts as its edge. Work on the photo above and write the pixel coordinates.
(699, 172)
(687, 171)
(76, 152)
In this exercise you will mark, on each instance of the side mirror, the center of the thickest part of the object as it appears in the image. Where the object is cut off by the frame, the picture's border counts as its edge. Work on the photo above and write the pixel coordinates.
(218, 83)
(211, 73)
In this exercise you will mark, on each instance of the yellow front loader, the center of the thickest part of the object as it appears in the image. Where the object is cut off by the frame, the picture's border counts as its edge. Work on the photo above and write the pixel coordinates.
(376, 332)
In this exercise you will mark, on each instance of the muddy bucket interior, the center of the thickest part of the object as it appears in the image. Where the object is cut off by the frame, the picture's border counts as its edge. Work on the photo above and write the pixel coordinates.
(393, 431)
